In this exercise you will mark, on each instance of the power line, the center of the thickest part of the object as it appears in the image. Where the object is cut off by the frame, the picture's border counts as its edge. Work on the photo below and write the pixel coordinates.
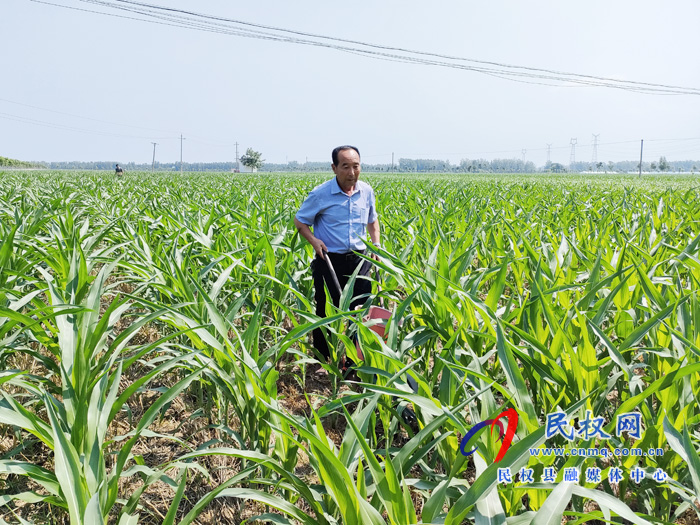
(19, 118)
(27, 120)
(669, 145)
(146, 6)
(217, 24)
(81, 116)
(548, 148)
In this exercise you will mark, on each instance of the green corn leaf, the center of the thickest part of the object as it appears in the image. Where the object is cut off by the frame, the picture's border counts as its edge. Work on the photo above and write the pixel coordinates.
(37, 474)
(205, 500)
(607, 502)
(683, 446)
(489, 510)
(93, 512)
(387, 489)
(552, 512)
(515, 378)
(68, 469)
(497, 287)
(642, 330)
(268, 499)
(172, 511)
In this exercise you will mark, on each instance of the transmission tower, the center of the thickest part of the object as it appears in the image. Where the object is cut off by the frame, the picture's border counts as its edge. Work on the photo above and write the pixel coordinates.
(238, 162)
(181, 139)
(153, 165)
(524, 151)
(572, 158)
(594, 159)
(549, 151)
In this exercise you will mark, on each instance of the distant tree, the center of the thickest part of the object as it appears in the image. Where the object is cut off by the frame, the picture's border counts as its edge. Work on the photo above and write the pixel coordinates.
(407, 165)
(558, 168)
(653, 166)
(663, 165)
(611, 166)
(4, 161)
(252, 159)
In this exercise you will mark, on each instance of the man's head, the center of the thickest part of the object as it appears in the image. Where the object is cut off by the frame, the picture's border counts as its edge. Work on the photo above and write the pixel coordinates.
(346, 166)
(334, 154)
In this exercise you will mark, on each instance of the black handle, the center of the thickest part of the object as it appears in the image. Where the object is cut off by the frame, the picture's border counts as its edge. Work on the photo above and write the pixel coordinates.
(333, 275)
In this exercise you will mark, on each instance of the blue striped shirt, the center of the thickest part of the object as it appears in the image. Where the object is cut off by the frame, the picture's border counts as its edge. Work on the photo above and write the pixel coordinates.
(338, 219)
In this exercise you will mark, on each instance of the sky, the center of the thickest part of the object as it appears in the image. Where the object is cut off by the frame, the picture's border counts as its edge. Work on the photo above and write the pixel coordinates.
(81, 85)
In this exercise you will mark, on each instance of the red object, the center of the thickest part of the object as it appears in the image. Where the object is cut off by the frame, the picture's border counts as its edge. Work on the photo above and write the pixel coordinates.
(512, 416)
(375, 313)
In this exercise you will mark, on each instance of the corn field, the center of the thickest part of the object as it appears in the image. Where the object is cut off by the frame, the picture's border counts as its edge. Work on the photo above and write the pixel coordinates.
(155, 351)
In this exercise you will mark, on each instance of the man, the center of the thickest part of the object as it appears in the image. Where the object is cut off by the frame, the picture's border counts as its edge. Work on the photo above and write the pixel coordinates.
(118, 171)
(341, 212)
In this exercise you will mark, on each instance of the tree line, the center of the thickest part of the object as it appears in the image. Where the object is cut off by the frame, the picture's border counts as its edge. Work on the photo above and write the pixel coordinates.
(404, 165)
(12, 163)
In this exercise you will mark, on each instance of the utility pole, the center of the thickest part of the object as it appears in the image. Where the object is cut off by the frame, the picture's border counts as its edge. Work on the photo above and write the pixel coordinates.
(153, 165)
(594, 159)
(572, 158)
(238, 164)
(392, 162)
(549, 150)
(181, 138)
(523, 151)
(641, 151)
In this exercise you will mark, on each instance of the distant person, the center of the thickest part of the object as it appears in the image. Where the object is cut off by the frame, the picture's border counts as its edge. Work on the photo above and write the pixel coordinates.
(119, 171)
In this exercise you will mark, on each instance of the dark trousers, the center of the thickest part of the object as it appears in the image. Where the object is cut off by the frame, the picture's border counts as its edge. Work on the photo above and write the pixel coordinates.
(344, 265)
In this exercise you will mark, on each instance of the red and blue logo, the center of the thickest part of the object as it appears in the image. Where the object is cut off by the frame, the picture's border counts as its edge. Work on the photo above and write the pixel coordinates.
(506, 436)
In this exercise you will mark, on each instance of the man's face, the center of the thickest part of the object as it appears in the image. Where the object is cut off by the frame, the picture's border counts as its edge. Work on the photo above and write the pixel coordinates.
(348, 168)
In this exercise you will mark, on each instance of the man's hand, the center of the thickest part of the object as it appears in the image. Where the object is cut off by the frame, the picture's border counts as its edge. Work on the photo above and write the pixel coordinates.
(306, 232)
(319, 247)
(373, 228)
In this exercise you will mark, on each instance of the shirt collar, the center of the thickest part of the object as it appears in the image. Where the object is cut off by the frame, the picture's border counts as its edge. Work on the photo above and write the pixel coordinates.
(335, 187)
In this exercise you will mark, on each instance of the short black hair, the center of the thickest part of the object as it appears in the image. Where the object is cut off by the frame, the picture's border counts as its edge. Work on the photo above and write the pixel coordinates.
(337, 150)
